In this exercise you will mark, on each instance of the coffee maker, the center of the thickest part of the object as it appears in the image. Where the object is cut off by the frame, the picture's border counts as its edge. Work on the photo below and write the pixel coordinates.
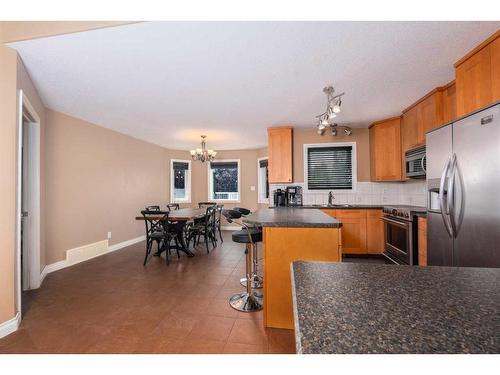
(294, 196)
(279, 198)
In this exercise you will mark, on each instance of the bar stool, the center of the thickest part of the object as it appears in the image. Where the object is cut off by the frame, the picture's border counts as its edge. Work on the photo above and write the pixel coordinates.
(256, 280)
(249, 300)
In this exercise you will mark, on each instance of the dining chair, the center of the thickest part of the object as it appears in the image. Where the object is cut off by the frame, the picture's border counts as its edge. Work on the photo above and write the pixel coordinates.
(206, 204)
(173, 206)
(204, 227)
(152, 208)
(157, 230)
(218, 217)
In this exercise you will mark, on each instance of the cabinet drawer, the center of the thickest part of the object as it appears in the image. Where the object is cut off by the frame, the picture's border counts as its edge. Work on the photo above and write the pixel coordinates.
(351, 213)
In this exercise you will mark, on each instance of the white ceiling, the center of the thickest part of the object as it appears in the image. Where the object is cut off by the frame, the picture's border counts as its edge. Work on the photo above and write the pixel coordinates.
(169, 82)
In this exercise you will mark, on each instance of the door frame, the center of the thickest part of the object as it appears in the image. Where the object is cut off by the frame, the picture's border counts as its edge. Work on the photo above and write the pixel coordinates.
(25, 107)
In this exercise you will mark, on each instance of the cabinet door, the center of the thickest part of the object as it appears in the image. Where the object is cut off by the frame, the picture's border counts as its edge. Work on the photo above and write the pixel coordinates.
(430, 115)
(409, 130)
(450, 103)
(280, 155)
(353, 231)
(422, 241)
(385, 149)
(374, 232)
(473, 80)
(495, 69)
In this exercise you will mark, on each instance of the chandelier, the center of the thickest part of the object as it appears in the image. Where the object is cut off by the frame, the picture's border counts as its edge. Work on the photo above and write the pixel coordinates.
(325, 120)
(202, 154)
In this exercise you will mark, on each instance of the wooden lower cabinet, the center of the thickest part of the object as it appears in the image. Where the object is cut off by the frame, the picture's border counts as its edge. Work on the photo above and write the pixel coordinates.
(374, 232)
(362, 230)
(281, 247)
(422, 241)
(353, 231)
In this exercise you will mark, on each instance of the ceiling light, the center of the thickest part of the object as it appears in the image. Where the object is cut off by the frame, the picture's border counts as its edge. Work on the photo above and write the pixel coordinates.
(347, 130)
(334, 131)
(333, 103)
(202, 154)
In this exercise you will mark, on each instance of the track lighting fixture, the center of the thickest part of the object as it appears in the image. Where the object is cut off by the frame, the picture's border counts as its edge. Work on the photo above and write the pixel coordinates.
(325, 120)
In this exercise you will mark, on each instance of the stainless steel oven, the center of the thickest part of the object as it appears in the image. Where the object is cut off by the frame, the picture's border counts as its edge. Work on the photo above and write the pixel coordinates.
(400, 235)
(416, 163)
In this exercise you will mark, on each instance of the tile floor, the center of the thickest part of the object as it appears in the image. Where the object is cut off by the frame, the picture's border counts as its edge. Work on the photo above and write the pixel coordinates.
(112, 304)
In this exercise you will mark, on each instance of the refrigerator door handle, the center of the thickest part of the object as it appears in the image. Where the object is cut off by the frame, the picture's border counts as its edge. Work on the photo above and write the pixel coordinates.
(441, 198)
(451, 195)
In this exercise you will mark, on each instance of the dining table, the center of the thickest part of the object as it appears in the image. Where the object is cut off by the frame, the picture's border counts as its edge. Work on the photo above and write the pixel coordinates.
(178, 219)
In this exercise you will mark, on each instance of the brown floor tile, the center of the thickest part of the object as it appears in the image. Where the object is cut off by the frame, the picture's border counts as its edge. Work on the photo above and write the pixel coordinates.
(247, 331)
(114, 304)
(212, 328)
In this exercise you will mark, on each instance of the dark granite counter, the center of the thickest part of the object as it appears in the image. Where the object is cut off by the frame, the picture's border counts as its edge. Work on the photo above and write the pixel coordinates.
(292, 217)
(340, 206)
(373, 308)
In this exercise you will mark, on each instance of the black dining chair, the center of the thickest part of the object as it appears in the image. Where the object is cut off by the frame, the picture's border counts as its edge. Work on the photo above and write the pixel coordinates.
(204, 227)
(152, 208)
(218, 216)
(173, 206)
(157, 230)
(206, 204)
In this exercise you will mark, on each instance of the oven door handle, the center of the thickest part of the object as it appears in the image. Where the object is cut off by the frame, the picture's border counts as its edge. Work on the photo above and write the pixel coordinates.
(422, 161)
(396, 222)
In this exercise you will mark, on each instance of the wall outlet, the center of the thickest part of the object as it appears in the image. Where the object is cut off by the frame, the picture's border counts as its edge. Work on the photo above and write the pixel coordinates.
(109, 235)
(252, 188)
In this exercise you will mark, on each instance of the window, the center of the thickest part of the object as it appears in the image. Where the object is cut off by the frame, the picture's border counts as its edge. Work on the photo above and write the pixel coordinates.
(180, 181)
(263, 180)
(330, 166)
(224, 180)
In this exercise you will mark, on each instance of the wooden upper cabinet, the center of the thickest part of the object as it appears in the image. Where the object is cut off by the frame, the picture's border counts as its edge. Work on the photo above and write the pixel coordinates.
(477, 76)
(423, 116)
(385, 150)
(449, 102)
(495, 69)
(473, 78)
(280, 143)
(409, 129)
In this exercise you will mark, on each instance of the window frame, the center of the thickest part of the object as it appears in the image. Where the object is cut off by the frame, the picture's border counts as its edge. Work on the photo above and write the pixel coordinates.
(210, 181)
(187, 182)
(354, 167)
(260, 193)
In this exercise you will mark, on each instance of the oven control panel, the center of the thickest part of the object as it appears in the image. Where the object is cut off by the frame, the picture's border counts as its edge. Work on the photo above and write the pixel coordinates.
(395, 212)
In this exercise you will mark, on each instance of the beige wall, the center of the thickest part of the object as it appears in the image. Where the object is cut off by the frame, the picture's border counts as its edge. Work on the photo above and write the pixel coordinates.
(303, 136)
(8, 136)
(97, 180)
(22, 30)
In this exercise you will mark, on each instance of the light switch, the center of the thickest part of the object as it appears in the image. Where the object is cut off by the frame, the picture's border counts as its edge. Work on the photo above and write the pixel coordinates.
(252, 188)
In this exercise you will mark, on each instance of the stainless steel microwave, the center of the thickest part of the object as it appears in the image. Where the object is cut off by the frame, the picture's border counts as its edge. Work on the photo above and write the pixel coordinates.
(415, 163)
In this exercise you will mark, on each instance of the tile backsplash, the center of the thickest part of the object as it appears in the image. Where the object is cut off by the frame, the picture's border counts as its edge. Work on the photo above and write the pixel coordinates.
(412, 192)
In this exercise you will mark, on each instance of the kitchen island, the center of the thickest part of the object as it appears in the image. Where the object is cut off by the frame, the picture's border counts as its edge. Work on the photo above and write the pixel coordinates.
(291, 234)
(373, 308)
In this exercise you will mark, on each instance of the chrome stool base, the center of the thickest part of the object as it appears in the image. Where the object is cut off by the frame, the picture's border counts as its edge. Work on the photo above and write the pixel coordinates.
(256, 282)
(246, 302)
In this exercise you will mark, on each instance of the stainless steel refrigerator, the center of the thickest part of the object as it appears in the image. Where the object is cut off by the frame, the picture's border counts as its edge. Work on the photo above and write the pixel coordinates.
(463, 183)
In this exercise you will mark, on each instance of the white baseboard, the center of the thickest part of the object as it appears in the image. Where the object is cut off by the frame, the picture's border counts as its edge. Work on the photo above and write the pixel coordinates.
(87, 252)
(11, 325)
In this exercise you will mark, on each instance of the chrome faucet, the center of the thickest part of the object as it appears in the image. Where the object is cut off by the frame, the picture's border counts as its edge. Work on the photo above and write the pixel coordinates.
(330, 198)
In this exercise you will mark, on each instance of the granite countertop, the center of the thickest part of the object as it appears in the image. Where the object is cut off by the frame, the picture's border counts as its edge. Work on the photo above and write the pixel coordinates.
(378, 308)
(345, 206)
(292, 217)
